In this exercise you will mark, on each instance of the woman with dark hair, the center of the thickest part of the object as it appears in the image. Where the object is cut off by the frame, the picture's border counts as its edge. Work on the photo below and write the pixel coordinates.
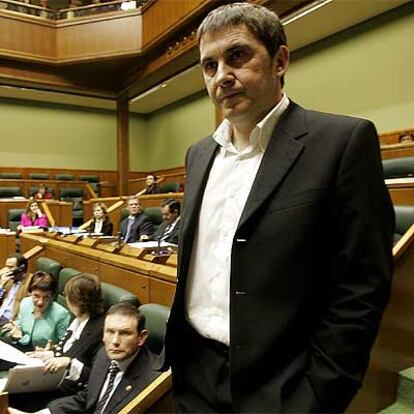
(33, 216)
(40, 319)
(100, 222)
(76, 350)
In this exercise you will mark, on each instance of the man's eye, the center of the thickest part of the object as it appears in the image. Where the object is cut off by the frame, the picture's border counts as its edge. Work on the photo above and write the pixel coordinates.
(237, 55)
(209, 67)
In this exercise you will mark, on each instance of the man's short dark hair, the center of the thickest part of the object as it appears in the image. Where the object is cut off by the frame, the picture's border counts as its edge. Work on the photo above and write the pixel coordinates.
(20, 261)
(128, 309)
(264, 24)
(173, 204)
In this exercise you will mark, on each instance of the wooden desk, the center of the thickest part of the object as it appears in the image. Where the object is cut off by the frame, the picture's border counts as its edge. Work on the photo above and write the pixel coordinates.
(401, 190)
(61, 211)
(4, 403)
(7, 246)
(397, 150)
(393, 349)
(150, 282)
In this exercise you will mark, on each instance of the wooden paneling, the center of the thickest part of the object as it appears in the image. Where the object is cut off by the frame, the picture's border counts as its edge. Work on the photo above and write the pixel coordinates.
(393, 137)
(132, 281)
(393, 349)
(401, 191)
(4, 403)
(150, 282)
(24, 37)
(397, 151)
(84, 39)
(62, 212)
(165, 16)
(7, 246)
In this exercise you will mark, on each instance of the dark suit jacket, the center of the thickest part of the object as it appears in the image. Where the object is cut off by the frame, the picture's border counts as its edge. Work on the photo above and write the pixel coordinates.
(172, 237)
(311, 264)
(107, 227)
(142, 371)
(142, 225)
(84, 349)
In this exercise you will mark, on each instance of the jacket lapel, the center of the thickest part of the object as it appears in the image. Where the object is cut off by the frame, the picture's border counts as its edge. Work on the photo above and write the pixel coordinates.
(282, 151)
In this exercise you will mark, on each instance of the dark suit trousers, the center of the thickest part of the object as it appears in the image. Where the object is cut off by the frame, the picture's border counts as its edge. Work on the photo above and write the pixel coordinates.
(201, 383)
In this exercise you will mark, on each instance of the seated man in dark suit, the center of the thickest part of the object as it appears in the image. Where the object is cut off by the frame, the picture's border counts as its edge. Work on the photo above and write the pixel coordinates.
(14, 286)
(121, 370)
(137, 226)
(170, 228)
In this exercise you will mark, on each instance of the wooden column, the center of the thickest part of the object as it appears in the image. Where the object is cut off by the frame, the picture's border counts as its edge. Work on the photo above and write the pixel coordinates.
(123, 145)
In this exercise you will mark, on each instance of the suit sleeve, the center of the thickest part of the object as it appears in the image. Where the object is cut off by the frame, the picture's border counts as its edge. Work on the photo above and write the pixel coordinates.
(359, 279)
(70, 405)
(146, 227)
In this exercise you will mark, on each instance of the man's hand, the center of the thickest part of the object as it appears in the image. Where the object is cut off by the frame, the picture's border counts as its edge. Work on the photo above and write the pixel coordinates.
(56, 364)
(5, 276)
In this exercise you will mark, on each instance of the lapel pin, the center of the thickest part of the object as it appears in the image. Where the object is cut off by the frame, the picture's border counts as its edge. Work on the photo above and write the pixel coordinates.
(128, 388)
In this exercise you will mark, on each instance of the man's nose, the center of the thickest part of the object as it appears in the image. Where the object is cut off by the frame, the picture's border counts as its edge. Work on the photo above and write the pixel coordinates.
(115, 339)
(224, 74)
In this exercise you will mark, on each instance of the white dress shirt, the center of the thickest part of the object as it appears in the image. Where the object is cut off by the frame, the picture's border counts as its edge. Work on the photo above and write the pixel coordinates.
(98, 226)
(6, 308)
(229, 183)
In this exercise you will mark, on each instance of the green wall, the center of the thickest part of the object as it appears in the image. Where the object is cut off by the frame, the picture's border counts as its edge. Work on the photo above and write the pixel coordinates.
(366, 71)
(34, 134)
(160, 140)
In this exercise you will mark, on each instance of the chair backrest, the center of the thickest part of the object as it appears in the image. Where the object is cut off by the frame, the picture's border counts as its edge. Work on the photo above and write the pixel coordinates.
(38, 176)
(113, 294)
(404, 218)
(156, 317)
(154, 213)
(11, 175)
(90, 178)
(398, 167)
(33, 190)
(65, 177)
(74, 192)
(7, 192)
(171, 187)
(13, 217)
(64, 275)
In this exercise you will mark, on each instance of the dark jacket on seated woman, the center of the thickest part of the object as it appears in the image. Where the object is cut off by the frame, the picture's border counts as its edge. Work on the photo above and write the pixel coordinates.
(100, 222)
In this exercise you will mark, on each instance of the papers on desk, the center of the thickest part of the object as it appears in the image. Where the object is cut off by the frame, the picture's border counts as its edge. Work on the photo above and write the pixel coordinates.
(11, 354)
(29, 376)
(150, 245)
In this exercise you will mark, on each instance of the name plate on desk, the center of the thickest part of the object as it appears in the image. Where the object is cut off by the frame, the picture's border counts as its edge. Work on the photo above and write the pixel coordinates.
(88, 242)
(111, 247)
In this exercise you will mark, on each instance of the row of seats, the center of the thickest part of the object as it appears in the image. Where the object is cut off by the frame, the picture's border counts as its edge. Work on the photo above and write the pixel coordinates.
(156, 315)
(43, 177)
(398, 167)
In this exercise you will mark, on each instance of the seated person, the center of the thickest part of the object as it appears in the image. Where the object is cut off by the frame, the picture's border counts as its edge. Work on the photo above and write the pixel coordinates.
(76, 350)
(100, 222)
(33, 216)
(137, 226)
(406, 138)
(152, 186)
(42, 194)
(14, 286)
(121, 370)
(40, 319)
(170, 228)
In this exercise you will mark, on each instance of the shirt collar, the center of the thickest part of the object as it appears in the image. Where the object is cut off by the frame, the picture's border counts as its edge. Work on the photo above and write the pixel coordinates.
(261, 133)
(125, 363)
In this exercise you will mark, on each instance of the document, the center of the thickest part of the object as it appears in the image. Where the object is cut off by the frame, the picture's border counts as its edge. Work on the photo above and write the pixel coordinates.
(11, 354)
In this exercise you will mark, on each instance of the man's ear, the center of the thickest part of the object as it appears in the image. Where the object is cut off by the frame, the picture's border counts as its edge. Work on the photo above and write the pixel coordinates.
(143, 337)
(281, 61)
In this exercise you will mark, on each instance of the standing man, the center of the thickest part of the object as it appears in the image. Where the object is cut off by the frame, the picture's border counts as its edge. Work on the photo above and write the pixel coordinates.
(285, 248)
(14, 286)
(137, 226)
(169, 229)
(121, 370)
